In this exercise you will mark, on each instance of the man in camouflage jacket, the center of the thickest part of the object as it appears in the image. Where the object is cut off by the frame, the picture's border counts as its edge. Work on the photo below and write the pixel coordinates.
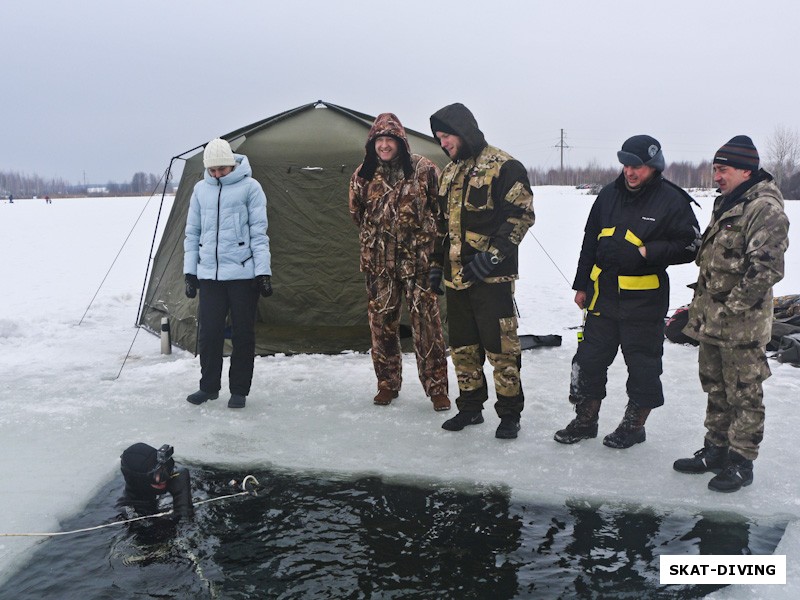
(392, 200)
(486, 207)
(741, 258)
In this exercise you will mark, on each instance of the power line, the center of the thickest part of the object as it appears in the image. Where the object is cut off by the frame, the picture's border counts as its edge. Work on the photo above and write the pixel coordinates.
(562, 145)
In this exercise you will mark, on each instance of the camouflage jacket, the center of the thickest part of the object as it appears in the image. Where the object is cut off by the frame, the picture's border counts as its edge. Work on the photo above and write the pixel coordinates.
(393, 205)
(740, 259)
(485, 202)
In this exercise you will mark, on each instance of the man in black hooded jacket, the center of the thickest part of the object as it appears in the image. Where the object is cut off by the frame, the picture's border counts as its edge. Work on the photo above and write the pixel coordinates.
(638, 226)
(486, 207)
(151, 473)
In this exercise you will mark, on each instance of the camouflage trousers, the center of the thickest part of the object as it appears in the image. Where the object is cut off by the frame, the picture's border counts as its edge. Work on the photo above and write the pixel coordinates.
(732, 378)
(385, 295)
(482, 324)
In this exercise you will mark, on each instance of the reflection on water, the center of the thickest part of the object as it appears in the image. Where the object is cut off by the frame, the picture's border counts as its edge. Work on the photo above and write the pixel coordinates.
(308, 536)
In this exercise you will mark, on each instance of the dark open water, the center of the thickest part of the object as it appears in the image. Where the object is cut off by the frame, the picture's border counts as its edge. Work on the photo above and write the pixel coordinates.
(311, 536)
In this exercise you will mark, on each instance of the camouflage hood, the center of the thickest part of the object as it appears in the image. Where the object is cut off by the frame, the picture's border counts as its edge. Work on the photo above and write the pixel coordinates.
(386, 124)
(457, 119)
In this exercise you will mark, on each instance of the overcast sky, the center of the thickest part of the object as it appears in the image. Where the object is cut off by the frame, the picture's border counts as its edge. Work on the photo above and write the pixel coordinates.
(98, 90)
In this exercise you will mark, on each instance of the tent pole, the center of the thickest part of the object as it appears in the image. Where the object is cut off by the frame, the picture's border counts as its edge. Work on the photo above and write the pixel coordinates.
(153, 242)
(155, 231)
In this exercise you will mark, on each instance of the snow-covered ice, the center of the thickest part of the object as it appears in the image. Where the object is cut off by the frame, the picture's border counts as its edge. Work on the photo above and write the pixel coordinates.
(65, 416)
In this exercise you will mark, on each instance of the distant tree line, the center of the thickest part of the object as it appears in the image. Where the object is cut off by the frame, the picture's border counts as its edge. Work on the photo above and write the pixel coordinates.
(26, 186)
(685, 174)
(781, 157)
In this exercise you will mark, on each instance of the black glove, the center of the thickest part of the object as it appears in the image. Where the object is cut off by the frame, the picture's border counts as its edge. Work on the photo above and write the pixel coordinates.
(191, 285)
(435, 280)
(264, 285)
(480, 267)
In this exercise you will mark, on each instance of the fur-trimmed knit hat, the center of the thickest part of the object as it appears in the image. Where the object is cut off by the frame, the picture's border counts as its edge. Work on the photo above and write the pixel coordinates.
(739, 153)
(218, 153)
(642, 150)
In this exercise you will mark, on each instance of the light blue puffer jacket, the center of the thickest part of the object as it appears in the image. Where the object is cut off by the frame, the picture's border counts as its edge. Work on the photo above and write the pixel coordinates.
(226, 228)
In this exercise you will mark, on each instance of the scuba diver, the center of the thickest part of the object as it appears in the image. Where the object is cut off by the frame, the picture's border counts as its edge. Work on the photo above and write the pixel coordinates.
(151, 473)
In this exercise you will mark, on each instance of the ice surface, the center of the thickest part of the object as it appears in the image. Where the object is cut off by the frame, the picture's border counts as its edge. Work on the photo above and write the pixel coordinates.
(65, 417)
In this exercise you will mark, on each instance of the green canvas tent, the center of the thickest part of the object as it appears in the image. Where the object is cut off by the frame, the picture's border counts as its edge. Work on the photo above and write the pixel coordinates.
(303, 158)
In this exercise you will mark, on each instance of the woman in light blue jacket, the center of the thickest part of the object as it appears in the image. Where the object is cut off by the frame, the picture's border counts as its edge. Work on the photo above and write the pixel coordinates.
(226, 257)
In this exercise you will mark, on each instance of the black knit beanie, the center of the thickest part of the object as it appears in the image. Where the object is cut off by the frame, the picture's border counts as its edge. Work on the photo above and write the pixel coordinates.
(739, 153)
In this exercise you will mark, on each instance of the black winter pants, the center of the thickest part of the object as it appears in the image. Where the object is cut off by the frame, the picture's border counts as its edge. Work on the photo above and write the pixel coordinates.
(217, 298)
(642, 344)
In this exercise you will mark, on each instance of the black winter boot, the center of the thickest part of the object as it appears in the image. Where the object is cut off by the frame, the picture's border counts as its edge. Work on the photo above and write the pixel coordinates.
(736, 474)
(237, 401)
(508, 428)
(709, 458)
(630, 431)
(583, 426)
(462, 419)
(200, 396)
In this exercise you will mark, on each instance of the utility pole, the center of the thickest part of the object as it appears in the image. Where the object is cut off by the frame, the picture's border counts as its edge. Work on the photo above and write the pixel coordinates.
(562, 145)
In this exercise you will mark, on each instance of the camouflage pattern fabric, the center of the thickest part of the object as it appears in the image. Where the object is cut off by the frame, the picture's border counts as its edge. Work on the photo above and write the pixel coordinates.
(485, 205)
(489, 334)
(395, 212)
(732, 378)
(740, 259)
(473, 220)
(385, 295)
(786, 307)
(394, 206)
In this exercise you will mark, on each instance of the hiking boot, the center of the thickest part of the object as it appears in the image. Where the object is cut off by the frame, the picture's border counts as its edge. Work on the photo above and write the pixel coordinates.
(709, 458)
(462, 419)
(384, 397)
(440, 402)
(237, 401)
(583, 426)
(630, 431)
(200, 396)
(737, 474)
(508, 428)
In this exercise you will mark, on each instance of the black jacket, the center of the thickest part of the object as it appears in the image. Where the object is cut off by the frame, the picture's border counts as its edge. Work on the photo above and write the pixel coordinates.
(618, 281)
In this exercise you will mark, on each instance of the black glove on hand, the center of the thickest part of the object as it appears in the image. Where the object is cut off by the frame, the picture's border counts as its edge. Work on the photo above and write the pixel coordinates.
(479, 268)
(264, 285)
(435, 280)
(191, 285)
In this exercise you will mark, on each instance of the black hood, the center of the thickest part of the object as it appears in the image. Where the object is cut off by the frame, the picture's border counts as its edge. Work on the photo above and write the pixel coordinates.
(458, 120)
(137, 464)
